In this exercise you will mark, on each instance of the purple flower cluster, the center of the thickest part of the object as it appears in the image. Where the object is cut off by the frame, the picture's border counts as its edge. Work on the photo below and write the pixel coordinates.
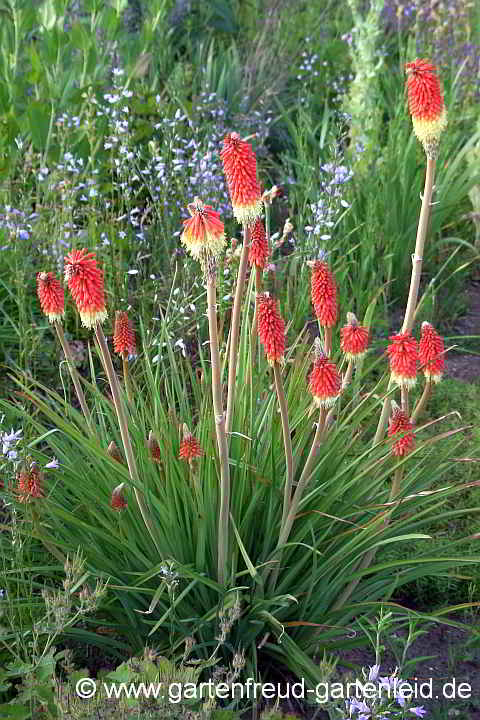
(327, 209)
(16, 224)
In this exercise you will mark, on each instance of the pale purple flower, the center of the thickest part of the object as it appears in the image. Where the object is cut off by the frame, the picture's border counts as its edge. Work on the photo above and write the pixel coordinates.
(52, 465)
(418, 711)
(373, 673)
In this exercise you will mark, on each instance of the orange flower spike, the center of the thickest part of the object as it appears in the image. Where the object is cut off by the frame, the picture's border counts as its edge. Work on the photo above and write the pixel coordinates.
(403, 359)
(401, 424)
(118, 501)
(271, 328)
(258, 252)
(85, 282)
(324, 382)
(124, 336)
(354, 338)
(190, 448)
(203, 233)
(51, 296)
(29, 484)
(240, 168)
(324, 294)
(431, 353)
(425, 102)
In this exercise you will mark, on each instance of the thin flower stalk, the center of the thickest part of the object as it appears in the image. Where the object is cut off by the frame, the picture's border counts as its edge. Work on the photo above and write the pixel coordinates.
(223, 524)
(123, 426)
(423, 401)
(417, 262)
(304, 478)
(235, 328)
(74, 374)
(259, 288)
(287, 440)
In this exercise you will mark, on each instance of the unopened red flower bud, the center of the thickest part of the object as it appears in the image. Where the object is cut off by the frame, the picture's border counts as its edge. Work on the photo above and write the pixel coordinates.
(271, 328)
(431, 353)
(51, 296)
(402, 426)
(324, 294)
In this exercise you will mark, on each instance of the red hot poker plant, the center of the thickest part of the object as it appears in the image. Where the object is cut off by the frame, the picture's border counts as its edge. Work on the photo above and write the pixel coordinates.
(85, 282)
(240, 168)
(425, 102)
(51, 296)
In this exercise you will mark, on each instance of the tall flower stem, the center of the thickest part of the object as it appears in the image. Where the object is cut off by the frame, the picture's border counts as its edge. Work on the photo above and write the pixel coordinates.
(123, 426)
(328, 341)
(287, 441)
(297, 496)
(370, 556)
(220, 430)
(74, 375)
(417, 262)
(126, 378)
(254, 334)
(422, 403)
(235, 327)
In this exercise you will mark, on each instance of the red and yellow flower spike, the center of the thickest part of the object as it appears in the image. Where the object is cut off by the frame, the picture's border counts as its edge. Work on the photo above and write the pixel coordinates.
(240, 168)
(124, 335)
(324, 293)
(403, 359)
(51, 296)
(324, 382)
(425, 102)
(354, 338)
(401, 425)
(431, 353)
(85, 282)
(271, 328)
(203, 233)
(258, 251)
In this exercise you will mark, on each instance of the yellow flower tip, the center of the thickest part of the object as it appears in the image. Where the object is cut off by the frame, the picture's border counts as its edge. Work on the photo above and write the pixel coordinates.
(90, 319)
(403, 381)
(433, 377)
(248, 213)
(429, 130)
